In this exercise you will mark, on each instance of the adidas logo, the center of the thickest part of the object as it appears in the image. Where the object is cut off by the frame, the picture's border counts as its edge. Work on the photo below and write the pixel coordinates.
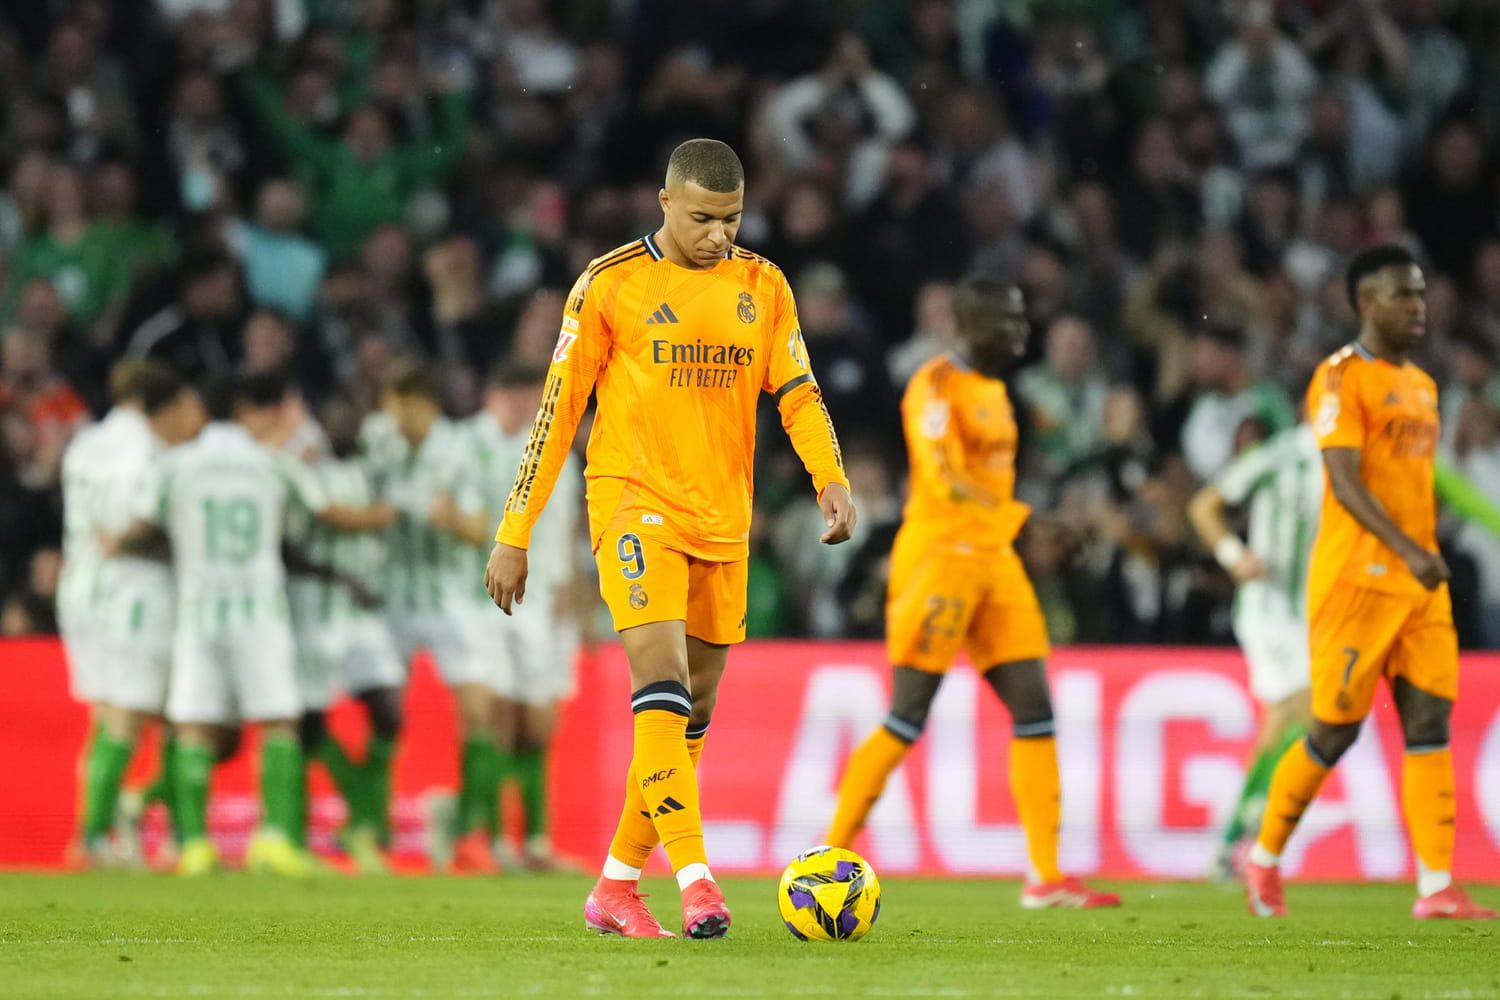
(1391, 399)
(663, 314)
(669, 805)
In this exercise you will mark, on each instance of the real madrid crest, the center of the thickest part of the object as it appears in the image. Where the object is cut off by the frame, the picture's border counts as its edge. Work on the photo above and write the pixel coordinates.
(747, 308)
(638, 599)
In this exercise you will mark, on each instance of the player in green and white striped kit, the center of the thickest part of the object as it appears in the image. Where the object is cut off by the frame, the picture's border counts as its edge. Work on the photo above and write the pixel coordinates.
(116, 613)
(221, 502)
(420, 457)
(342, 642)
(531, 655)
(1281, 480)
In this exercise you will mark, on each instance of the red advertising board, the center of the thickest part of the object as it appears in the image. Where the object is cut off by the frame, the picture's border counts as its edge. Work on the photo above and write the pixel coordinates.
(1152, 743)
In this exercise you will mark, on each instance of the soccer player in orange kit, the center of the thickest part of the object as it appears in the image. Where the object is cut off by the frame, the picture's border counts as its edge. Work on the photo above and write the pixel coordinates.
(677, 334)
(956, 581)
(1377, 591)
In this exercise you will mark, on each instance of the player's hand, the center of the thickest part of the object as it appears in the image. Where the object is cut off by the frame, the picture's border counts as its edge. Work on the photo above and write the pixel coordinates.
(1428, 567)
(1250, 567)
(838, 513)
(382, 515)
(443, 511)
(505, 575)
(363, 597)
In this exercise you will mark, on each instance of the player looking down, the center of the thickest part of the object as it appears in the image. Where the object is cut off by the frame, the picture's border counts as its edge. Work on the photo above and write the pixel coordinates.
(678, 333)
(957, 582)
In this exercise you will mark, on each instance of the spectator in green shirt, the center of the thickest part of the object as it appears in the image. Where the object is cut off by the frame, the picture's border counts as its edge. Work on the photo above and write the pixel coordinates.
(364, 178)
(80, 257)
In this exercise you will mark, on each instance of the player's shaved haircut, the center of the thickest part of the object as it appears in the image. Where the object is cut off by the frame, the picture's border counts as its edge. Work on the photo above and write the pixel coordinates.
(977, 295)
(413, 378)
(1373, 260)
(709, 163)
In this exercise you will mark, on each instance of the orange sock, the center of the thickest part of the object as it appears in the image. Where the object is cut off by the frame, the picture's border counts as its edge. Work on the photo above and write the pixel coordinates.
(1293, 787)
(1037, 790)
(1427, 802)
(635, 835)
(864, 779)
(664, 771)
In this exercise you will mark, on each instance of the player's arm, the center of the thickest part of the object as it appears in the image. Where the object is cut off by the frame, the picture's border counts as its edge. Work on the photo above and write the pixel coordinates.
(146, 537)
(472, 527)
(299, 563)
(805, 419)
(1206, 512)
(304, 489)
(1343, 478)
(582, 345)
(1339, 422)
(142, 540)
(1464, 498)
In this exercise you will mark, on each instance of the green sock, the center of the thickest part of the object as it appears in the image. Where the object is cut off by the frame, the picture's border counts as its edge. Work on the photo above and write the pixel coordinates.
(192, 769)
(379, 753)
(164, 788)
(531, 776)
(477, 792)
(504, 768)
(282, 784)
(1257, 784)
(105, 772)
(348, 777)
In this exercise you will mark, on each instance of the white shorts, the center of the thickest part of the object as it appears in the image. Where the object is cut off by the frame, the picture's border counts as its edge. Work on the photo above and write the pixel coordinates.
(530, 659)
(354, 656)
(140, 673)
(138, 648)
(446, 637)
(219, 679)
(1273, 635)
(88, 668)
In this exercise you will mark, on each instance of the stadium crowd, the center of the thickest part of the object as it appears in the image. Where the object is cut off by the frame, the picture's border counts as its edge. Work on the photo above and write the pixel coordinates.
(331, 185)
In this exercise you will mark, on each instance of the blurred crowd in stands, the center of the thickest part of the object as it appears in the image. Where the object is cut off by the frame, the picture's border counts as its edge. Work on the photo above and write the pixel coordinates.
(331, 185)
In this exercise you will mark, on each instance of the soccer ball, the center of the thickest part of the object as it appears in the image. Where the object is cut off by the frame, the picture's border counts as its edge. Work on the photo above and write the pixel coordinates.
(829, 894)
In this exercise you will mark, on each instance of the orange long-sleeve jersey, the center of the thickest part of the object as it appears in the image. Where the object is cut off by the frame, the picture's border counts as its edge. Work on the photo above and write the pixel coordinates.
(961, 437)
(1390, 414)
(678, 359)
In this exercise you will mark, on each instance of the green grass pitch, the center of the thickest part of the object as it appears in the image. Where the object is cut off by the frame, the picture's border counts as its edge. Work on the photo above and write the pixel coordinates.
(117, 935)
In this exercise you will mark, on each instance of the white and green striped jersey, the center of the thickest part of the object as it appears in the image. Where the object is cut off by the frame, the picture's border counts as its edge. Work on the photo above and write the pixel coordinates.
(494, 458)
(86, 499)
(358, 554)
(105, 468)
(1282, 481)
(1208, 432)
(424, 567)
(222, 499)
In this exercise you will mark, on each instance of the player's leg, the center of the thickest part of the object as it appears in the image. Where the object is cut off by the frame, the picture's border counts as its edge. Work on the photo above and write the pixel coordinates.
(929, 605)
(1350, 635)
(264, 673)
(315, 662)
(533, 741)
(478, 791)
(508, 724)
(1424, 684)
(383, 706)
(635, 835)
(1035, 783)
(374, 673)
(199, 703)
(1282, 723)
(871, 763)
(644, 584)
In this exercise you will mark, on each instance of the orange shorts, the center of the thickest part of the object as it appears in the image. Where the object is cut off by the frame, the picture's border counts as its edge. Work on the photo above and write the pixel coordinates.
(1358, 635)
(942, 598)
(644, 579)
